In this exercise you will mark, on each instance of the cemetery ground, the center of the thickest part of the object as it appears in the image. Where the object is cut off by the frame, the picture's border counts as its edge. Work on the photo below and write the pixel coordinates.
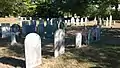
(102, 54)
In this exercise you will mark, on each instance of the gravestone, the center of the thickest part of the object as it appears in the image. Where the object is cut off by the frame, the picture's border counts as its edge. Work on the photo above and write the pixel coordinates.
(78, 40)
(33, 26)
(86, 19)
(114, 23)
(110, 20)
(49, 30)
(59, 40)
(13, 38)
(24, 28)
(55, 25)
(32, 50)
(100, 21)
(40, 28)
(68, 23)
(98, 32)
(82, 21)
(15, 28)
(77, 21)
(73, 21)
(5, 28)
(107, 21)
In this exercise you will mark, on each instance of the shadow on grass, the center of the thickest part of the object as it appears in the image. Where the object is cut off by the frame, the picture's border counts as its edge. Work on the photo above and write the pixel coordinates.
(13, 62)
(104, 54)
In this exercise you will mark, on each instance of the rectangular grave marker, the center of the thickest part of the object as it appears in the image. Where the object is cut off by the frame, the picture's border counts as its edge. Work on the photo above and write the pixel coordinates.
(59, 46)
(78, 40)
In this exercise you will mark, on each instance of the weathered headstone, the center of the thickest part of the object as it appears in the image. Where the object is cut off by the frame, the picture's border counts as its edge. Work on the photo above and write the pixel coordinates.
(78, 40)
(32, 50)
(59, 40)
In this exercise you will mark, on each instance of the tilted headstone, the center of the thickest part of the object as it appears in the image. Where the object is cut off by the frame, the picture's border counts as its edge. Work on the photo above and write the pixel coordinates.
(32, 50)
(78, 40)
(59, 40)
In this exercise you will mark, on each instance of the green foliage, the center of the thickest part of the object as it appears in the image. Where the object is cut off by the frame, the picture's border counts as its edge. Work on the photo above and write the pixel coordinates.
(56, 8)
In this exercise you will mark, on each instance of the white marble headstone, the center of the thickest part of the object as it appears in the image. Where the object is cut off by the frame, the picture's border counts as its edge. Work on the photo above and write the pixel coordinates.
(77, 21)
(73, 21)
(59, 46)
(78, 40)
(32, 50)
(81, 21)
(69, 23)
(86, 19)
(100, 21)
(107, 21)
(110, 20)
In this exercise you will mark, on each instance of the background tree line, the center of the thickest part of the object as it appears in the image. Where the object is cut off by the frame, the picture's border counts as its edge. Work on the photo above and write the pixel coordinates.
(56, 8)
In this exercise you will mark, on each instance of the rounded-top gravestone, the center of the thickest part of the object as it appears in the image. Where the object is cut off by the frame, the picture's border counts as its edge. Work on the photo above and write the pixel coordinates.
(32, 50)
